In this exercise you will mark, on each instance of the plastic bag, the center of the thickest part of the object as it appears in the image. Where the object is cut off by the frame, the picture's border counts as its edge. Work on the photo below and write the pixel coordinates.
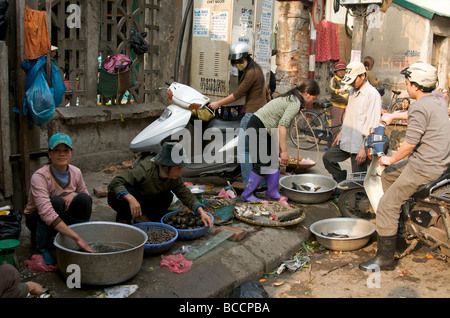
(10, 225)
(137, 42)
(176, 263)
(40, 101)
(250, 289)
(37, 263)
(58, 85)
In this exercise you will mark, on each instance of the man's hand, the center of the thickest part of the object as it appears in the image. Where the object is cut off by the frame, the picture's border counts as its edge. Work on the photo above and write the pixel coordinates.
(361, 156)
(337, 140)
(385, 161)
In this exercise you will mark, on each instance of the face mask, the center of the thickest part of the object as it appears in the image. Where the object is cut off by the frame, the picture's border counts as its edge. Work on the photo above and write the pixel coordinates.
(240, 67)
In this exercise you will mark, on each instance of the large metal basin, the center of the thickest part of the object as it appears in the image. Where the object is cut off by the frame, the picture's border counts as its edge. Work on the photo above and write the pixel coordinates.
(327, 186)
(357, 230)
(105, 268)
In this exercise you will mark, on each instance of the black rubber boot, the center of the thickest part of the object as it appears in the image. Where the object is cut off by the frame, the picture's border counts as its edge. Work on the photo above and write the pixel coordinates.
(385, 255)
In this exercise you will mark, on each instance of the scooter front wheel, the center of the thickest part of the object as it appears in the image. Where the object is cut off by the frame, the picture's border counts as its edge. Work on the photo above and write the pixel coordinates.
(354, 203)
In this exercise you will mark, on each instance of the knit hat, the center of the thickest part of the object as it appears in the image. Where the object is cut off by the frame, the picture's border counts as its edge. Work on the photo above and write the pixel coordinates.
(339, 66)
(57, 139)
(171, 154)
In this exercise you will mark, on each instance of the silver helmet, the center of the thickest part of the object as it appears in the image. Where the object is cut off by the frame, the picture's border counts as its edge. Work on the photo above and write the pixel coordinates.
(423, 74)
(239, 50)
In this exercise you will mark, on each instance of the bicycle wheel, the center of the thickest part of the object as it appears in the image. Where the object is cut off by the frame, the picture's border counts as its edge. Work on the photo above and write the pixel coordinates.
(308, 121)
(396, 106)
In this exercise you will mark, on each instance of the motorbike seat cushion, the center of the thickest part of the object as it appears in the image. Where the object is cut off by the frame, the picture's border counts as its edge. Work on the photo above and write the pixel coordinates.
(223, 124)
(424, 190)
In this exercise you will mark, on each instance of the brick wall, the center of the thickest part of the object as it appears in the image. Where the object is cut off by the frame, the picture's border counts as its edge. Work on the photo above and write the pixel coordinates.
(293, 44)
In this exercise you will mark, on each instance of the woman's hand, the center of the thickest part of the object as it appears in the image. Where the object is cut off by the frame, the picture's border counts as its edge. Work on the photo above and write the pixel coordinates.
(83, 245)
(34, 289)
(214, 105)
(135, 206)
(207, 220)
(284, 158)
(68, 199)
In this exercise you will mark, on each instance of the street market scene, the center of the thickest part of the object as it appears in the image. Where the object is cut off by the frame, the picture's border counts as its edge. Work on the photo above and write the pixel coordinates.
(225, 149)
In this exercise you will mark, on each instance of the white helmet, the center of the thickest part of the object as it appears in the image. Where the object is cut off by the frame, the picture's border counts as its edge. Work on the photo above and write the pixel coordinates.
(423, 74)
(239, 50)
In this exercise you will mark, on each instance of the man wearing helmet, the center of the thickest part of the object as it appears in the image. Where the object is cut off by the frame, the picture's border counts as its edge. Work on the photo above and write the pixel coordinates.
(427, 145)
(252, 87)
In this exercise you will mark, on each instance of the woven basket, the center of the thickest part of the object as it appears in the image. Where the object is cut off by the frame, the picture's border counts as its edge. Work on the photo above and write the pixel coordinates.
(114, 84)
(222, 209)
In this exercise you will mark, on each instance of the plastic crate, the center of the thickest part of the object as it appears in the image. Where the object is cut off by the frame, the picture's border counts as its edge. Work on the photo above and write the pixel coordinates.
(149, 227)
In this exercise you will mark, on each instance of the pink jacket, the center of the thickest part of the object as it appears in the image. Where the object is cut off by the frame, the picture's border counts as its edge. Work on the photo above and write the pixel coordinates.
(44, 185)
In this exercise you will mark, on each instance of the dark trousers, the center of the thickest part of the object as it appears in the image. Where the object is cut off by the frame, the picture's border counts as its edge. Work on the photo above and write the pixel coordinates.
(334, 156)
(152, 206)
(79, 211)
(257, 150)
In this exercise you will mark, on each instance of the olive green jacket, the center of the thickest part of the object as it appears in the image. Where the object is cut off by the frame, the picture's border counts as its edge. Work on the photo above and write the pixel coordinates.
(147, 181)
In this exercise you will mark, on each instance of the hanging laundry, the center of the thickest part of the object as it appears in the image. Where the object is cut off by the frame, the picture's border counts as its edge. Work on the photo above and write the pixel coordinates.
(327, 42)
(37, 39)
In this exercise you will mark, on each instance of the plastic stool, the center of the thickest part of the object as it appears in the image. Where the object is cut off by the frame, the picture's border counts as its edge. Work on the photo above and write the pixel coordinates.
(7, 251)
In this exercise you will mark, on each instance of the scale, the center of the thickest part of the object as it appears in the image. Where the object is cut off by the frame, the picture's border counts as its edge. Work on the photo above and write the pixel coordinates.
(198, 251)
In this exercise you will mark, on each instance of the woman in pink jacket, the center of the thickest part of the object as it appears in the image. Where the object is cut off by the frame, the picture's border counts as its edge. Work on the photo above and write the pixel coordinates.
(58, 197)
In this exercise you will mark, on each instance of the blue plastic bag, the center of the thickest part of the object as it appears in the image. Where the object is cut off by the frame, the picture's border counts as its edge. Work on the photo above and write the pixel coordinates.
(41, 100)
(58, 85)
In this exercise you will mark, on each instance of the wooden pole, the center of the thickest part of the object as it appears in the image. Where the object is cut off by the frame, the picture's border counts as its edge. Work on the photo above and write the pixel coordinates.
(20, 84)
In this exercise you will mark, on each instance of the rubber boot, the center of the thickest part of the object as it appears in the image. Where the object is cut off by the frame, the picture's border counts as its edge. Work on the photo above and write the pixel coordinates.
(385, 255)
(44, 242)
(252, 184)
(272, 186)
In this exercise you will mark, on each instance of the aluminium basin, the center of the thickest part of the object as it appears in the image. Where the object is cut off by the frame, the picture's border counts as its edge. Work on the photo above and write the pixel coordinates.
(102, 268)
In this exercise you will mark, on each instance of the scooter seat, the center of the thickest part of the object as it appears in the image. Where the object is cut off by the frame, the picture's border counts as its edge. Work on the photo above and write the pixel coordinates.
(223, 124)
(424, 190)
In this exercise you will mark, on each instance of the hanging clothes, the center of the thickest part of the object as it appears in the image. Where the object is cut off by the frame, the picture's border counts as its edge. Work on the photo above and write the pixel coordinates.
(37, 38)
(327, 42)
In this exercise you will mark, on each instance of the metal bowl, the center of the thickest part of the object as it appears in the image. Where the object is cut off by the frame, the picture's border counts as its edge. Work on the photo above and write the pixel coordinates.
(197, 189)
(121, 261)
(324, 186)
(343, 234)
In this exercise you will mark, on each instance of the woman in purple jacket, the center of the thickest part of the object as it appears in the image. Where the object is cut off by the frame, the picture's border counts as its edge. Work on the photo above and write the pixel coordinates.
(58, 197)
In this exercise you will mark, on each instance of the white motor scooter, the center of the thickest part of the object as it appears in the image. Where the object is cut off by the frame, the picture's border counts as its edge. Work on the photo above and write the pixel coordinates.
(211, 150)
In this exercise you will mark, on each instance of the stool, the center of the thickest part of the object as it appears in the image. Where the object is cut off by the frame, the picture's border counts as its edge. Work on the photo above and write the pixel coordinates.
(7, 252)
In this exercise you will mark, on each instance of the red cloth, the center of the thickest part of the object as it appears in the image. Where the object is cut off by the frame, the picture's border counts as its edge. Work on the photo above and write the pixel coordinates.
(327, 42)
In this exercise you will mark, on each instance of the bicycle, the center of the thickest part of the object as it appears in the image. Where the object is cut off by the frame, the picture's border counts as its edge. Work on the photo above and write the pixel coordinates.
(312, 126)
(395, 104)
